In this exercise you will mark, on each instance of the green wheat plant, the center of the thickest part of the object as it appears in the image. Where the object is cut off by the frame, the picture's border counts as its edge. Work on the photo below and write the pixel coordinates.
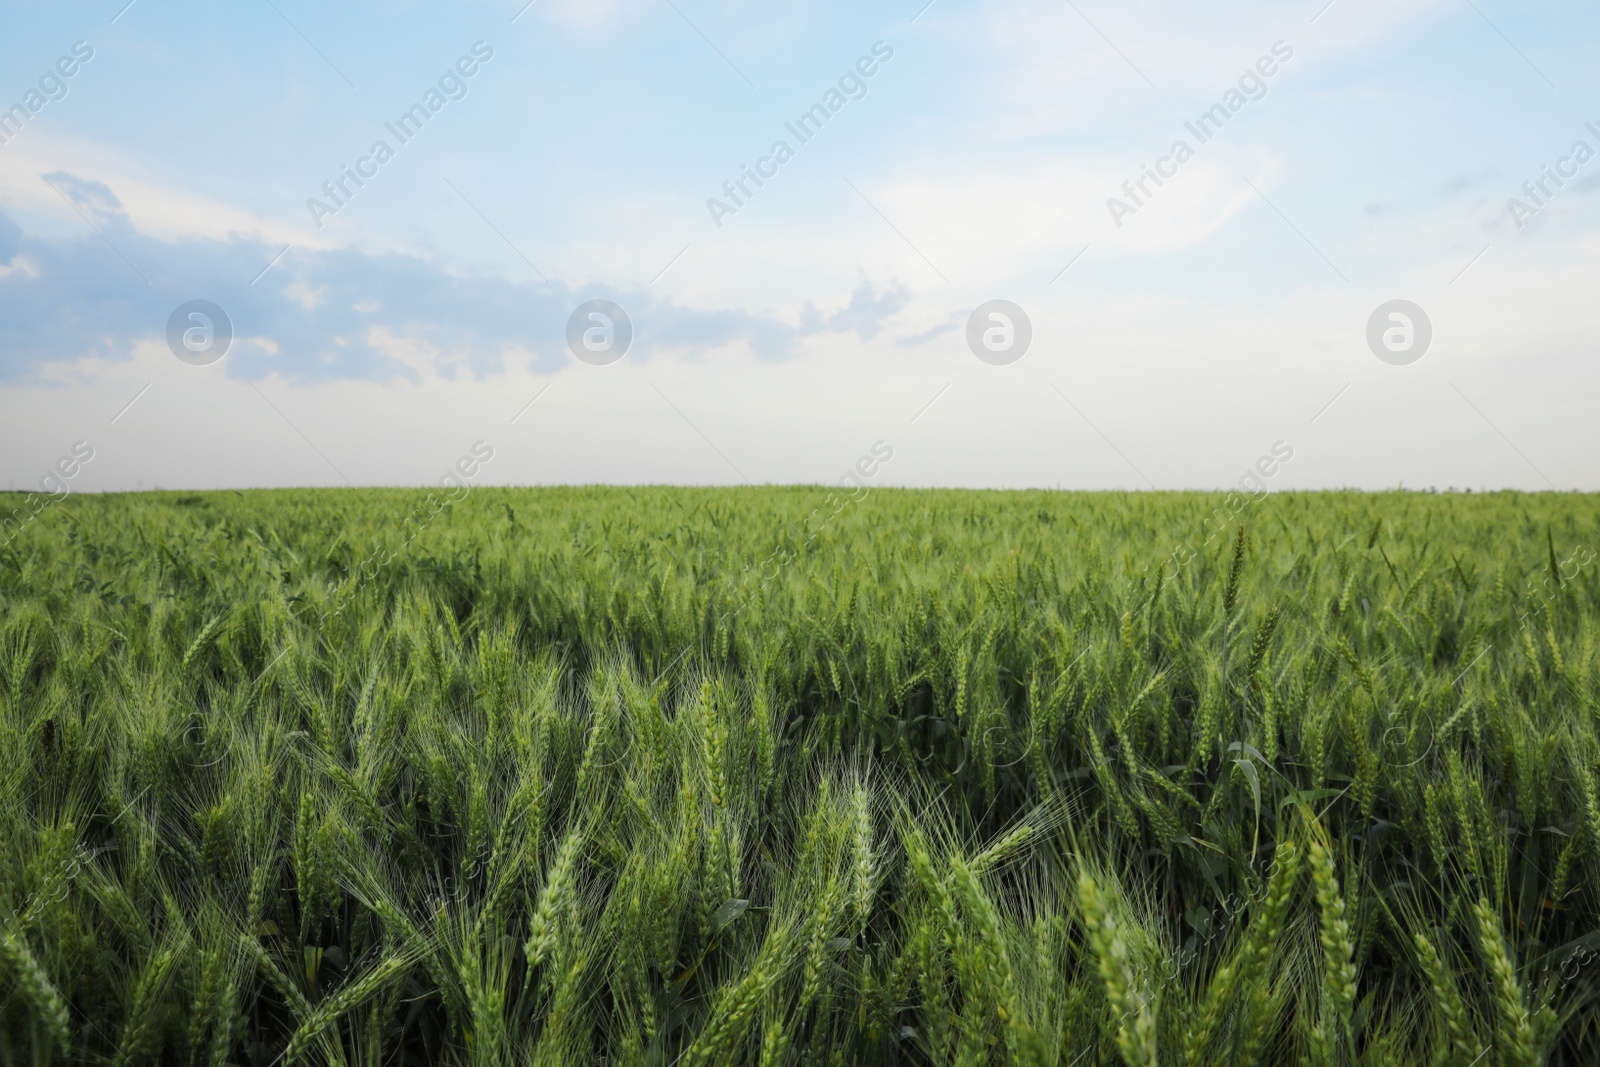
(580, 776)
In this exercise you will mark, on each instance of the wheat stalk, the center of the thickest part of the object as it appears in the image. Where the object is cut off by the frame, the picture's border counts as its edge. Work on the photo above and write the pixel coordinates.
(1252, 956)
(351, 996)
(1514, 1038)
(556, 900)
(1136, 1027)
(1447, 1000)
(1339, 972)
(865, 860)
(40, 992)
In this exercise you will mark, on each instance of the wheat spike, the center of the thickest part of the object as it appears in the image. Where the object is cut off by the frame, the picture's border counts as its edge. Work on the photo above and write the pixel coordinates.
(1136, 1029)
(36, 986)
(1514, 1038)
(1447, 1000)
(351, 996)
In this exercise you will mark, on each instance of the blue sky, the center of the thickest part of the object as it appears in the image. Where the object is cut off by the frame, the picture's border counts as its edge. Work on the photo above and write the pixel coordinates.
(1227, 313)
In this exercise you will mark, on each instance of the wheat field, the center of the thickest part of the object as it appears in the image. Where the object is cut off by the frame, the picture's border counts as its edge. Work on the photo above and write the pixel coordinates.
(777, 776)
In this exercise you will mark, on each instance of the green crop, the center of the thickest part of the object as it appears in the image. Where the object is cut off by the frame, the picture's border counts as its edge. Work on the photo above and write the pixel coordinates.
(659, 776)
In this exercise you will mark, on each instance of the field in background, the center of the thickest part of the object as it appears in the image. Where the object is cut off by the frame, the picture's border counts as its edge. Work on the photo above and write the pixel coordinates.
(776, 776)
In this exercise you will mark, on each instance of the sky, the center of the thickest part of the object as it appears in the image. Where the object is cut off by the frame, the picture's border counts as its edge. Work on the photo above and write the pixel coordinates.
(1075, 244)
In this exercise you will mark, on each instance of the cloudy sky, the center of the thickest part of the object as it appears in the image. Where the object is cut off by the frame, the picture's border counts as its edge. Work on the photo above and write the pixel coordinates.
(566, 151)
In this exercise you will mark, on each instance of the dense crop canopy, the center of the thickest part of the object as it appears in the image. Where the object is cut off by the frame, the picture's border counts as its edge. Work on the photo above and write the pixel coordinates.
(650, 776)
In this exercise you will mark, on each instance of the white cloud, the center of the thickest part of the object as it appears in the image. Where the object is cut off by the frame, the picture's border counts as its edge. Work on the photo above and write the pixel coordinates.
(155, 207)
(998, 186)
